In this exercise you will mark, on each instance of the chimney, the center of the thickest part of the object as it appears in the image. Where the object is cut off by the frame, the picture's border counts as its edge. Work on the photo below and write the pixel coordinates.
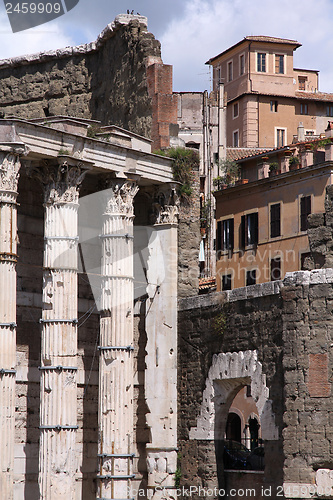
(300, 132)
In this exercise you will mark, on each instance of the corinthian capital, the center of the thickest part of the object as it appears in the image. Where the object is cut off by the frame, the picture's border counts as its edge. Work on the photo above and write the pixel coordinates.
(166, 204)
(121, 193)
(61, 182)
(9, 172)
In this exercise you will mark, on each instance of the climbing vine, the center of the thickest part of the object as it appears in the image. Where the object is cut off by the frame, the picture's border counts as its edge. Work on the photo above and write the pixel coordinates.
(184, 161)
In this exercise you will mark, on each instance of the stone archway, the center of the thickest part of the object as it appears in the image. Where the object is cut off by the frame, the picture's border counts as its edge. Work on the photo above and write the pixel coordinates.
(227, 374)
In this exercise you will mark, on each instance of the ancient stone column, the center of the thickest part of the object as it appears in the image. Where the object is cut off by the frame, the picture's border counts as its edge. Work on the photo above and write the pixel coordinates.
(161, 359)
(116, 343)
(58, 393)
(9, 173)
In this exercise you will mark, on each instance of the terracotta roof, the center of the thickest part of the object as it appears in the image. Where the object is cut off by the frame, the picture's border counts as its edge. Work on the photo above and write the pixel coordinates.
(261, 38)
(272, 39)
(206, 284)
(237, 153)
(316, 96)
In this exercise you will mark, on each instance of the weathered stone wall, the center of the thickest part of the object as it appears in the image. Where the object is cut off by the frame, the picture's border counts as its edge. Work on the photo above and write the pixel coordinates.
(189, 241)
(210, 325)
(289, 325)
(105, 80)
(307, 364)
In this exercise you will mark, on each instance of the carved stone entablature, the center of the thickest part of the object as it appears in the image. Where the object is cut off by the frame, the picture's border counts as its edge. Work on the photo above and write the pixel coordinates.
(120, 196)
(166, 204)
(61, 182)
(9, 172)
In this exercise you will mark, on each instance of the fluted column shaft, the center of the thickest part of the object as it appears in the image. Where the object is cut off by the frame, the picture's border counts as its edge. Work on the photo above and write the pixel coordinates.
(9, 172)
(116, 343)
(58, 410)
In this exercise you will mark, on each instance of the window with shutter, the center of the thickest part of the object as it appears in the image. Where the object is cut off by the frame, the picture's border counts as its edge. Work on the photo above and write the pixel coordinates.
(305, 211)
(275, 220)
(251, 277)
(228, 235)
(249, 229)
(219, 236)
(276, 269)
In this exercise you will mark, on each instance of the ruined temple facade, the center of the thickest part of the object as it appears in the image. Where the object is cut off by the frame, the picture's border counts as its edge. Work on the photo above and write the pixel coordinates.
(88, 308)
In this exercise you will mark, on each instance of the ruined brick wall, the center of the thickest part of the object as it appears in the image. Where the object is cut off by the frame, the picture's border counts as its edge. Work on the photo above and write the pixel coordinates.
(290, 325)
(105, 80)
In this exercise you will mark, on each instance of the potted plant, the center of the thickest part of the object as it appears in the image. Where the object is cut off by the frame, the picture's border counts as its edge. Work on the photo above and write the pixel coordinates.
(274, 168)
(219, 182)
(294, 163)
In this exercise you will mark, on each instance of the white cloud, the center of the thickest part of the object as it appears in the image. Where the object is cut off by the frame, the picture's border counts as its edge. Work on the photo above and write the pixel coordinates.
(210, 26)
(45, 37)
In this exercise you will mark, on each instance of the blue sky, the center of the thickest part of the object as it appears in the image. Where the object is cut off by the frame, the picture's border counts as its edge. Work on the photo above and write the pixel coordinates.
(192, 31)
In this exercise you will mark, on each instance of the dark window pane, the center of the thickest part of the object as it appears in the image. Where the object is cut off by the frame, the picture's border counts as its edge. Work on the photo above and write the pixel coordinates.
(219, 236)
(275, 220)
(276, 269)
(226, 282)
(251, 277)
(228, 235)
(305, 211)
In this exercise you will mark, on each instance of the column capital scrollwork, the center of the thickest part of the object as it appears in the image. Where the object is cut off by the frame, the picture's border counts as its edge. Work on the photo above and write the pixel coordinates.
(61, 182)
(166, 204)
(121, 196)
(9, 172)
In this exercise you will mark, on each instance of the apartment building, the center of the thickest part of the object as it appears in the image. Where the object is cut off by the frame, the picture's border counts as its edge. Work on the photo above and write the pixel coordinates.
(266, 96)
(262, 223)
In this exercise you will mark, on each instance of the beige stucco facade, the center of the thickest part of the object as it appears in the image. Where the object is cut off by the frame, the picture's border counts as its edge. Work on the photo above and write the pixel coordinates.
(286, 189)
(267, 97)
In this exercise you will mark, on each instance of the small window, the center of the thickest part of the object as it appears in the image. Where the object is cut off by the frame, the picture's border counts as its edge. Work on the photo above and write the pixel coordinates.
(228, 234)
(218, 75)
(248, 391)
(236, 110)
(242, 64)
(329, 110)
(274, 106)
(235, 139)
(249, 229)
(305, 211)
(230, 76)
(275, 223)
(279, 63)
(276, 269)
(261, 62)
(302, 82)
(304, 109)
(226, 282)
(251, 277)
(280, 137)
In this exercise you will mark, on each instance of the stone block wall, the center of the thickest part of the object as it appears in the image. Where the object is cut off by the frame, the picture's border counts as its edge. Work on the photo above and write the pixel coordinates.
(289, 325)
(189, 241)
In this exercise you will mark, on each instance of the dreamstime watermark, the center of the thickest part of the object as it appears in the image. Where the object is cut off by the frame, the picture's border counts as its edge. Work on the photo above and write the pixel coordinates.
(27, 14)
